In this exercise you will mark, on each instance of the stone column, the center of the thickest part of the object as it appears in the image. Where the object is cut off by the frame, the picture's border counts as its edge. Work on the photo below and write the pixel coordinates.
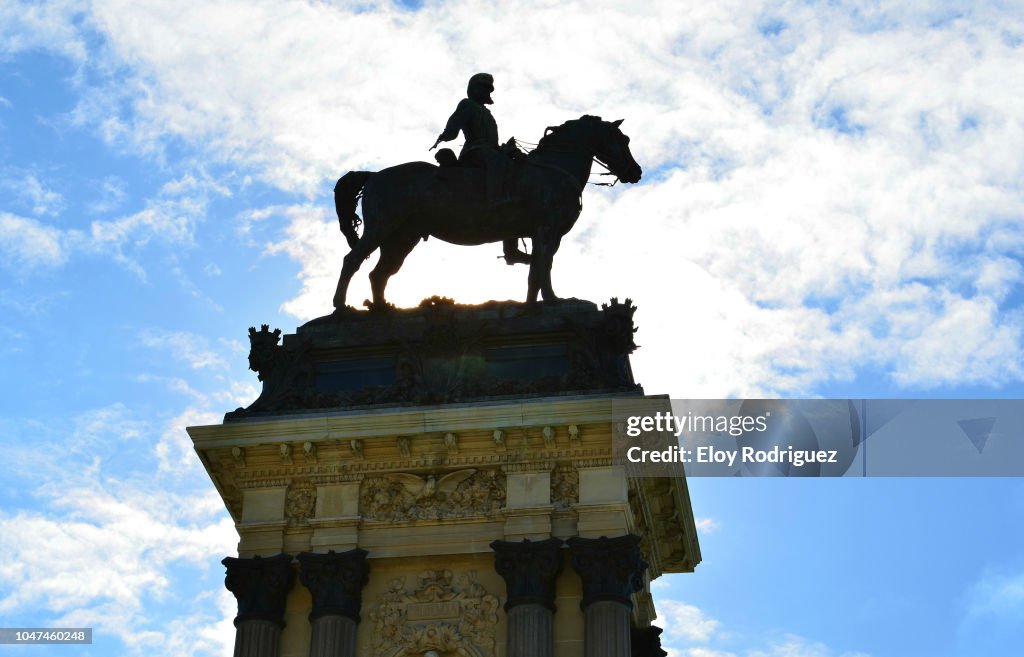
(336, 582)
(646, 642)
(260, 585)
(611, 570)
(529, 569)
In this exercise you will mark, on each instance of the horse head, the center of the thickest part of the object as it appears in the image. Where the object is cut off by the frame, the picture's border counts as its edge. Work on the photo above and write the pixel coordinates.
(603, 139)
(613, 152)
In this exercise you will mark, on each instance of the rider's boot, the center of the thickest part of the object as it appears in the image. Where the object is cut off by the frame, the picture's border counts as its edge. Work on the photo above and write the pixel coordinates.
(513, 256)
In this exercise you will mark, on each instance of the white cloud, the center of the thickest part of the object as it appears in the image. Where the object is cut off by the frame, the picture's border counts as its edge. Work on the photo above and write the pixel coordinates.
(112, 194)
(31, 193)
(31, 25)
(169, 218)
(174, 450)
(795, 646)
(997, 594)
(104, 552)
(700, 652)
(28, 244)
(707, 525)
(184, 346)
(683, 622)
(828, 188)
(118, 552)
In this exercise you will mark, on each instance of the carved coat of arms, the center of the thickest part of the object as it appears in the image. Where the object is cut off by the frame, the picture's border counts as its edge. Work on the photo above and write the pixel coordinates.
(438, 616)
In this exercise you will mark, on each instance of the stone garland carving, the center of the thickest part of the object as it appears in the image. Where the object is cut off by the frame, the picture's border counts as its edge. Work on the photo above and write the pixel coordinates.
(565, 486)
(436, 614)
(299, 502)
(459, 494)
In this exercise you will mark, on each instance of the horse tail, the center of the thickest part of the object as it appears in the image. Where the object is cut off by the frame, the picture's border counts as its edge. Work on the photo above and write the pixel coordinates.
(346, 195)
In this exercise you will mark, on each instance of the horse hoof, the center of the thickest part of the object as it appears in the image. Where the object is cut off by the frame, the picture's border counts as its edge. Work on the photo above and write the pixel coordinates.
(378, 307)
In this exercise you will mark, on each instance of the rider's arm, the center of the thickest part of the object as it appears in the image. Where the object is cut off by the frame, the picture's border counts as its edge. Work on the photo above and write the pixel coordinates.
(455, 122)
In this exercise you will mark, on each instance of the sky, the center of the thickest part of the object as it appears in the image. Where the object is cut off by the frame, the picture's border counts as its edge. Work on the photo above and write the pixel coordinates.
(831, 206)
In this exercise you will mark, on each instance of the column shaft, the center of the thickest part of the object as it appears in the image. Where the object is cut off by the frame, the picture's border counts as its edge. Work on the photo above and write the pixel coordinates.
(333, 636)
(257, 638)
(606, 630)
(530, 631)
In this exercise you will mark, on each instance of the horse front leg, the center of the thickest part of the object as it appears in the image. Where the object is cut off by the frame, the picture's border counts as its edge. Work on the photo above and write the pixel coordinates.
(540, 269)
(535, 280)
(547, 260)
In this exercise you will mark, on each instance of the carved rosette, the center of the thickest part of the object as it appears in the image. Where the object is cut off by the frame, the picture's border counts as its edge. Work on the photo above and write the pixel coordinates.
(611, 568)
(336, 582)
(451, 618)
(260, 586)
(459, 494)
(299, 502)
(565, 486)
(529, 569)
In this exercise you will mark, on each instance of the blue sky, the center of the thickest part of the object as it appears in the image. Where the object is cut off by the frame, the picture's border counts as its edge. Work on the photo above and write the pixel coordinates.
(831, 206)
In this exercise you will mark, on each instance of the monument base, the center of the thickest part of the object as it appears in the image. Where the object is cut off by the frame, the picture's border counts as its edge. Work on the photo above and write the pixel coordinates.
(441, 481)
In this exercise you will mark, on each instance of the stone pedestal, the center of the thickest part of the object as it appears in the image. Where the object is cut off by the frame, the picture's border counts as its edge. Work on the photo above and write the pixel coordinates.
(260, 586)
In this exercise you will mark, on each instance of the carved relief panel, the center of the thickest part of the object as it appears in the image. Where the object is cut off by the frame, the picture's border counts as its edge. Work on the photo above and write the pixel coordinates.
(459, 494)
(438, 615)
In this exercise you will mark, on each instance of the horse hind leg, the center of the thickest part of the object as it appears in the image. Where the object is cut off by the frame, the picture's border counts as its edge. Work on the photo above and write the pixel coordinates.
(350, 265)
(392, 255)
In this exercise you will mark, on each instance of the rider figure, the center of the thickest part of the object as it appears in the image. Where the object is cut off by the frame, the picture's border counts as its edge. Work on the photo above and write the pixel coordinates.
(481, 148)
(477, 124)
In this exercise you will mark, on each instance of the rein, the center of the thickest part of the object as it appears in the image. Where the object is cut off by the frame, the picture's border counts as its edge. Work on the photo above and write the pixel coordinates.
(529, 147)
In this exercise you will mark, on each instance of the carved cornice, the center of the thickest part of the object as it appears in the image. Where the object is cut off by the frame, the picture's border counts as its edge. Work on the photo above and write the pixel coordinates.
(610, 568)
(336, 582)
(663, 518)
(529, 569)
(260, 586)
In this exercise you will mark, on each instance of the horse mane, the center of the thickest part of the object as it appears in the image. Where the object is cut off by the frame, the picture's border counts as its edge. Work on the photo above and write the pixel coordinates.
(558, 133)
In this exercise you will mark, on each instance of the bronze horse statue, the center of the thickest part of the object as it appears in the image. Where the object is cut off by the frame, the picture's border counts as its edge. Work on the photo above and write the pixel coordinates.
(409, 202)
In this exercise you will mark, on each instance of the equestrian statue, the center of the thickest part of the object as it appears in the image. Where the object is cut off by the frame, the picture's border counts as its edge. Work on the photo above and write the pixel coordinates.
(489, 193)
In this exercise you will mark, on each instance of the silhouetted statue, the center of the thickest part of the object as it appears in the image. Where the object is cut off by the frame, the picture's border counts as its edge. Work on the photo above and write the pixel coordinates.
(455, 202)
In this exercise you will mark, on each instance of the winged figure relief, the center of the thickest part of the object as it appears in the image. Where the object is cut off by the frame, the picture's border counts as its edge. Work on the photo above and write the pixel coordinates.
(427, 487)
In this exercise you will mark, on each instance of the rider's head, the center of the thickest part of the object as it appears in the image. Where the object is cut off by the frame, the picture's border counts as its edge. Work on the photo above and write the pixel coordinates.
(480, 87)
